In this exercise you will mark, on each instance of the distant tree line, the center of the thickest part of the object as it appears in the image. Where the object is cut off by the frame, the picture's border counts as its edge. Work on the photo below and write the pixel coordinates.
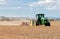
(2, 18)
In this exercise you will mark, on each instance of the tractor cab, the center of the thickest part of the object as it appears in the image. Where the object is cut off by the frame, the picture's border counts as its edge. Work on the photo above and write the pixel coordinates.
(40, 15)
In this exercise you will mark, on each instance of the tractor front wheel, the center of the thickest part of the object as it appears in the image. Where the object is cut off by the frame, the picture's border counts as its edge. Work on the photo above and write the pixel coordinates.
(47, 24)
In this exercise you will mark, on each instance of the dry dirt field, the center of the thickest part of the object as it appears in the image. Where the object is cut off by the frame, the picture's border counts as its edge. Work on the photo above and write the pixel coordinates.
(30, 32)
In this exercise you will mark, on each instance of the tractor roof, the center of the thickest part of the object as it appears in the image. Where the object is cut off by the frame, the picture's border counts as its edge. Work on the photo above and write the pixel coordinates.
(40, 14)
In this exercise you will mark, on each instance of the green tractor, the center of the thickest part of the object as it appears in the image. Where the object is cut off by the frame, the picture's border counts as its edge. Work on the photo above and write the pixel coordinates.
(41, 20)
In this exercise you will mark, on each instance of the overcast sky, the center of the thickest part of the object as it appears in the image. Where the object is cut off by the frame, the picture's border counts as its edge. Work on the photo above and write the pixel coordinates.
(28, 8)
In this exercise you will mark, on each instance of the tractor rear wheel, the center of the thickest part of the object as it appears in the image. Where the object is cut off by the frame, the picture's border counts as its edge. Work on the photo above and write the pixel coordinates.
(47, 24)
(37, 23)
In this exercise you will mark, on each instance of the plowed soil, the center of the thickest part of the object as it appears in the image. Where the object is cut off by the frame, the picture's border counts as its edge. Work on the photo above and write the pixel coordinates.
(31, 32)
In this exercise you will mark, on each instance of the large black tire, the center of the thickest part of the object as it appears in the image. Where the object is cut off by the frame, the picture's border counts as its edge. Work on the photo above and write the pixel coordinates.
(37, 24)
(47, 24)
